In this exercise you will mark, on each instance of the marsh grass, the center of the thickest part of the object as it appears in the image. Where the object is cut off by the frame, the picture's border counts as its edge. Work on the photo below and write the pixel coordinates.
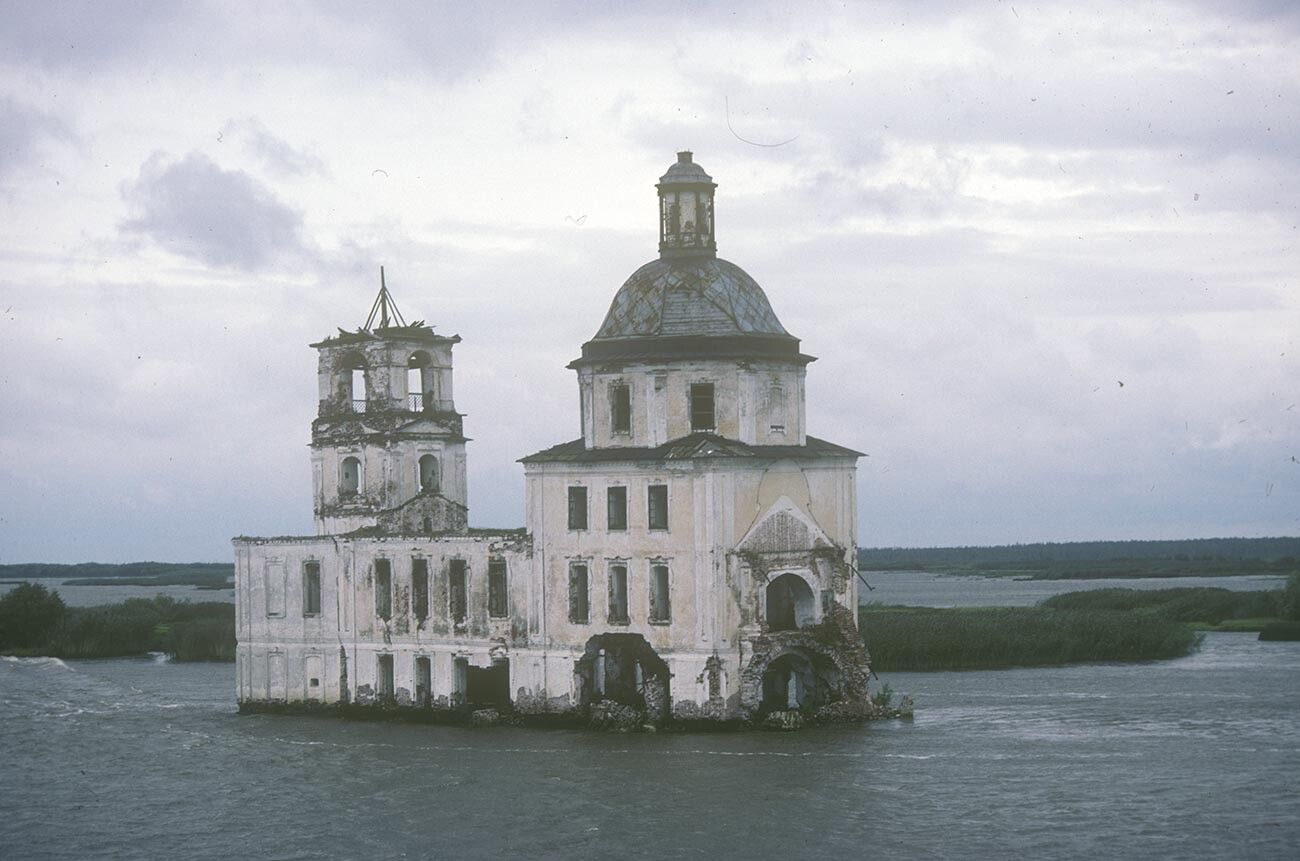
(916, 638)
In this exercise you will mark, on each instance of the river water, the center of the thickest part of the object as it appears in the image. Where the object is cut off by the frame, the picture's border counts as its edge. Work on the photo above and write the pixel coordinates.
(144, 759)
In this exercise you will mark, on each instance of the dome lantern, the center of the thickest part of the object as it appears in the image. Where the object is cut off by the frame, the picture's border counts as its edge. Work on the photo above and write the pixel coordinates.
(686, 210)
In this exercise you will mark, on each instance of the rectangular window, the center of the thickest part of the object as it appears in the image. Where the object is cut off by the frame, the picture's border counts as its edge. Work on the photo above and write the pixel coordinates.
(660, 608)
(579, 599)
(618, 594)
(620, 408)
(423, 681)
(577, 508)
(383, 589)
(456, 591)
(702, 407)
(657, 506)
(384, 684)
(311, 589)
(420, 588)
(498, 595)
(616, 508)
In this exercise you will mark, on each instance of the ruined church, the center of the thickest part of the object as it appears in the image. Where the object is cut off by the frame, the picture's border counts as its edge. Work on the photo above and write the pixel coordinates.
(688, 558)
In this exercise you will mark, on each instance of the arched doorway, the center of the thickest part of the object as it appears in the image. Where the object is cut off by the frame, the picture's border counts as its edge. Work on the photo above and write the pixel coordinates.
(790, 603)
(788, 683)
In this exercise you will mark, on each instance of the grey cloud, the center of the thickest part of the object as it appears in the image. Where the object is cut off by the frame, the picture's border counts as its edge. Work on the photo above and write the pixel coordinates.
(23, 129)
(275, 152)
(198, 210)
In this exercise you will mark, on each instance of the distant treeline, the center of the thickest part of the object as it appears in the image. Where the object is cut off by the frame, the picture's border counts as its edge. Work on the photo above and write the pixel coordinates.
(35, 621)
(142, 570)
(1208, 555)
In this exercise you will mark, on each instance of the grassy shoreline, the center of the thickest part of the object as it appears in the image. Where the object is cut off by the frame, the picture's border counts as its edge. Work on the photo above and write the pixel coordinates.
(1103, 625)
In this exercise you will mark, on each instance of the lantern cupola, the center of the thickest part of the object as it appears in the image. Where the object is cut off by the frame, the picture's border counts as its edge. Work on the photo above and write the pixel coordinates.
(686, 210)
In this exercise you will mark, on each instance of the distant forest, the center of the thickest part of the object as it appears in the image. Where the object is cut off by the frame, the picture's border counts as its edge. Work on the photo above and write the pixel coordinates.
(140, 570)
(1277, 552)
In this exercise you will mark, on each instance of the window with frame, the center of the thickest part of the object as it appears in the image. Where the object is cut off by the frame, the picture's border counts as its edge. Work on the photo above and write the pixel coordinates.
(311, 589)
(420, 588)
(702, 418)
(457, 596)
(657, 506)
(383, 589)
(579, 594)
(660, 604)
(616, 508)
(498, 594)
(618, 593)
(577, 507)
(620, 408)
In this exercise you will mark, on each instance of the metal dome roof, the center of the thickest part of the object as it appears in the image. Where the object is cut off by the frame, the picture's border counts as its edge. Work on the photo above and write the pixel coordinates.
(690, 296)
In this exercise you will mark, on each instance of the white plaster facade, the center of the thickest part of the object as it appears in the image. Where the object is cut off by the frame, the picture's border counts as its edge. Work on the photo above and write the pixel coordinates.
(690, 556)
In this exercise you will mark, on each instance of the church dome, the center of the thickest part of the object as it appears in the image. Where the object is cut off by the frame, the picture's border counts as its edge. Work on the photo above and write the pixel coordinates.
(689, 303)
(690, 296)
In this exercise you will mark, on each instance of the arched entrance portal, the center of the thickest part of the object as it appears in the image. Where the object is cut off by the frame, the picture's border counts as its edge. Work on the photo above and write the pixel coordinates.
(625, 669)
(804, 675)
(788, 683)
(790, 604)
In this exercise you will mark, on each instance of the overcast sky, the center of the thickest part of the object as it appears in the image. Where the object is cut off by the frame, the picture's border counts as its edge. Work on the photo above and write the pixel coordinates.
(1047, 256)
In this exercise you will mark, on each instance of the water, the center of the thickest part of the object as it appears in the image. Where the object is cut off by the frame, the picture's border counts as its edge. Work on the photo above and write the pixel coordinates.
(143, 759)
(90, 596)
(926, 589)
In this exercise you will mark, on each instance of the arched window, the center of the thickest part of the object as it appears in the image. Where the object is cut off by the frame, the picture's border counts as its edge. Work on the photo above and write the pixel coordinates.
(349, 476)
(419, 382)
(430, 474)
(790, 604)
(352, 382)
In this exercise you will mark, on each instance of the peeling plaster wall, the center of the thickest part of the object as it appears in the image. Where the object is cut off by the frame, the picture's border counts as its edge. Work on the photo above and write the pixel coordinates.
(744, 405)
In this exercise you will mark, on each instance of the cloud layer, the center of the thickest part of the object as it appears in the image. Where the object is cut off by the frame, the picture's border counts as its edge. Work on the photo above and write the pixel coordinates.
(984, 222)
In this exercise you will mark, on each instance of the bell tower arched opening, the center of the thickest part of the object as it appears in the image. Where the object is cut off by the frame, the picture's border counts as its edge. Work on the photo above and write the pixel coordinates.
(430, 474)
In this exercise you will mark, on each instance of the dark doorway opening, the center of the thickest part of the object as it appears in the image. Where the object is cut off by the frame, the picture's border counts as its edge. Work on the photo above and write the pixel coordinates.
(488, 686)
(790, 604)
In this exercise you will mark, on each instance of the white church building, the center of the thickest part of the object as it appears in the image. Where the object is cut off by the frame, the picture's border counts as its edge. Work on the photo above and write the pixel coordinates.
(688, 558)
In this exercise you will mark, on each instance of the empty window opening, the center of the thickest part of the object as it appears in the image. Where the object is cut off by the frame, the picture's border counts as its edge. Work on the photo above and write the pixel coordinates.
(616, 508)
(702, 407)
(349, 476)
(660, 608)
(657, 506)
(418, 396)
(420, 588)
(579, 597)
(488, 686)
(383, 589)
(358, 387)
(430, 474)
(498, 594)
(384, 683)
(577, 508)
(423, 682)
(790, 604)
(351, 379)
(311, 589)
(459, 680)
(618, 594)
(620, 408)
(456, 592)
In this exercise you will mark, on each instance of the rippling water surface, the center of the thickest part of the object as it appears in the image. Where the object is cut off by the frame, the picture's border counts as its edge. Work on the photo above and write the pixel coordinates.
(146, 759)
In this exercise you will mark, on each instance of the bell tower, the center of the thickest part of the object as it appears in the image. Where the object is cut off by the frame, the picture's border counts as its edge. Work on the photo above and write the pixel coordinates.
(388, 447)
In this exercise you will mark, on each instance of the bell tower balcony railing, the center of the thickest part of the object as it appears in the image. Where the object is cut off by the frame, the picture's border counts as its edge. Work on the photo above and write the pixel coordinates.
(415, 403)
